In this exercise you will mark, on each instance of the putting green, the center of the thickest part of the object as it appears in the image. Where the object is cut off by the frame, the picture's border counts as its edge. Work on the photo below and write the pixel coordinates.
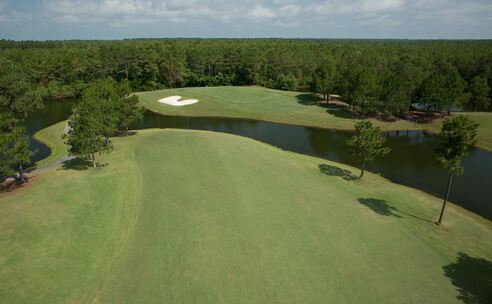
(190, 216)
(284, 107)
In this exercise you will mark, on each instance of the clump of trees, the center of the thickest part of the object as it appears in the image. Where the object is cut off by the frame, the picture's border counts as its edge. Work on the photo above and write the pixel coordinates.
(18, 96)
(367, 143)
(457, 135)
(104, 109)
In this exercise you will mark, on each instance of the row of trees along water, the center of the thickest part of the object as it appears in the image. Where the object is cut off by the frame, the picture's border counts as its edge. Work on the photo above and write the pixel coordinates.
(458, 134)
(106, 109)
(373, 76)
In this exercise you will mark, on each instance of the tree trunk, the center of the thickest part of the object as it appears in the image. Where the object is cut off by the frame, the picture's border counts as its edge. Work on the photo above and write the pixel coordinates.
(126, 130)
(362, 167)
(93, 160)
(445, 198)
(328, 98)
(475, 107)
(449, 110)
(21, 174)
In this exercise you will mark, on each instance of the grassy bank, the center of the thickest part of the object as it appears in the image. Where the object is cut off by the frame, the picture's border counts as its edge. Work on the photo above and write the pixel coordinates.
(52, 138)
(284, 107)
(217, 218)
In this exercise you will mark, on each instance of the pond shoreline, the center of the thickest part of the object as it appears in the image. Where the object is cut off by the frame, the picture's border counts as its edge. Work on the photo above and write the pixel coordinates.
(411, 163)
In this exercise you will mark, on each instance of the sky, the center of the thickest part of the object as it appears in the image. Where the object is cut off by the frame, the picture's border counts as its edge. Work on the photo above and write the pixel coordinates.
(118, 19)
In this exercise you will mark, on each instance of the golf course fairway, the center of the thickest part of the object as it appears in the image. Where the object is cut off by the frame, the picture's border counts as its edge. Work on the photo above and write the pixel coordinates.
(286, 107)
(179, 216)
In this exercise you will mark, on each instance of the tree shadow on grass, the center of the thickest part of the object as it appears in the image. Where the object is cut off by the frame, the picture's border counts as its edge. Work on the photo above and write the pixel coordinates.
(472, 277)
(340, 111)
(80, 164)
(308, 99)
(382, 207)
(76, 164)
(124, 133)
(379, 206)
(336, 171)
(12, 185)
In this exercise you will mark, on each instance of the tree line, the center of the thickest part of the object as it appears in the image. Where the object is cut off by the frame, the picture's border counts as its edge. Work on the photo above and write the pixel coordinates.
(372, 76)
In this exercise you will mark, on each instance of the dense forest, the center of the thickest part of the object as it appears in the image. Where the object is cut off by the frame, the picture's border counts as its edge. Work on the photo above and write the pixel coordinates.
(382, 76)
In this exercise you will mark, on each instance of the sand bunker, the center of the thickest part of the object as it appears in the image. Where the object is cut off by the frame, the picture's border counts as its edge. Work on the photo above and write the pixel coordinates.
(175, 101)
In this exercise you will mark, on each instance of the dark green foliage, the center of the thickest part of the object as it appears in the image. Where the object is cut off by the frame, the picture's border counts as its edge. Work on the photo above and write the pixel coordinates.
(457, 135)
(92, 122)
(104, 108)
(399, 85)
(479, 93)
(14, 149)
(323, 81)
(362, 91)
(367, 143)
(286, 83)
(18, 96)
(443, 89)
(373, 76)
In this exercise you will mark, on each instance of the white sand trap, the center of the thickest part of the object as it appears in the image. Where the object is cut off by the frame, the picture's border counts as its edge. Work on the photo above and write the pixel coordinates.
(175, 101)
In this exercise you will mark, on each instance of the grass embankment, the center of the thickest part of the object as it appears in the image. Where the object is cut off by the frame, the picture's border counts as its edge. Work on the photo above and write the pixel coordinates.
(192, 216)
(52, 138)
(284, 107)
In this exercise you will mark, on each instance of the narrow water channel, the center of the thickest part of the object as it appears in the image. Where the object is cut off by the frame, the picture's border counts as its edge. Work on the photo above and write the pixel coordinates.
(411, 161)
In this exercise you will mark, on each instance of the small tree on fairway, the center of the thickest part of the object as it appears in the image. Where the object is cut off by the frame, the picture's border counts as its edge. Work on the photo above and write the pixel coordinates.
(367, 143)
(457, 135)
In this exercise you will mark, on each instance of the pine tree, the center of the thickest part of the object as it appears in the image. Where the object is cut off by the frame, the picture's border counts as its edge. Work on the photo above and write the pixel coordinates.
(367, 143)
(457, 135)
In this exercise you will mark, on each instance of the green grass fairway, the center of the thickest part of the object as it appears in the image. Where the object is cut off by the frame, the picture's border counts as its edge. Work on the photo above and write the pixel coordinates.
(284, 107)
(200, 217)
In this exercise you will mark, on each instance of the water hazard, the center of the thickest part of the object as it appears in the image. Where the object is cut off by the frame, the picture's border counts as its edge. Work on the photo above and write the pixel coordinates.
(411, 161)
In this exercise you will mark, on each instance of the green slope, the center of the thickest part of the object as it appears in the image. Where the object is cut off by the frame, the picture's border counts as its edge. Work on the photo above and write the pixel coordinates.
(190, 216)
(284, 107)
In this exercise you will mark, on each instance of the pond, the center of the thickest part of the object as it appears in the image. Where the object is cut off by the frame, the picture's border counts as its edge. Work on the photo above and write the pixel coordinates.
(411, 161)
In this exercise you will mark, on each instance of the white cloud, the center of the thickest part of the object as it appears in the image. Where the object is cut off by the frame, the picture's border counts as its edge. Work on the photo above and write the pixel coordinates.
(15, 17)
(349, 7)
(259, 11)
(289, 10)
(280, 23)
(313, 17)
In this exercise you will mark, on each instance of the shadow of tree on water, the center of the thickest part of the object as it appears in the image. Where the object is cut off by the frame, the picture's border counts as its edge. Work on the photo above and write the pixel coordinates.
(472, 277)
(336, 171)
